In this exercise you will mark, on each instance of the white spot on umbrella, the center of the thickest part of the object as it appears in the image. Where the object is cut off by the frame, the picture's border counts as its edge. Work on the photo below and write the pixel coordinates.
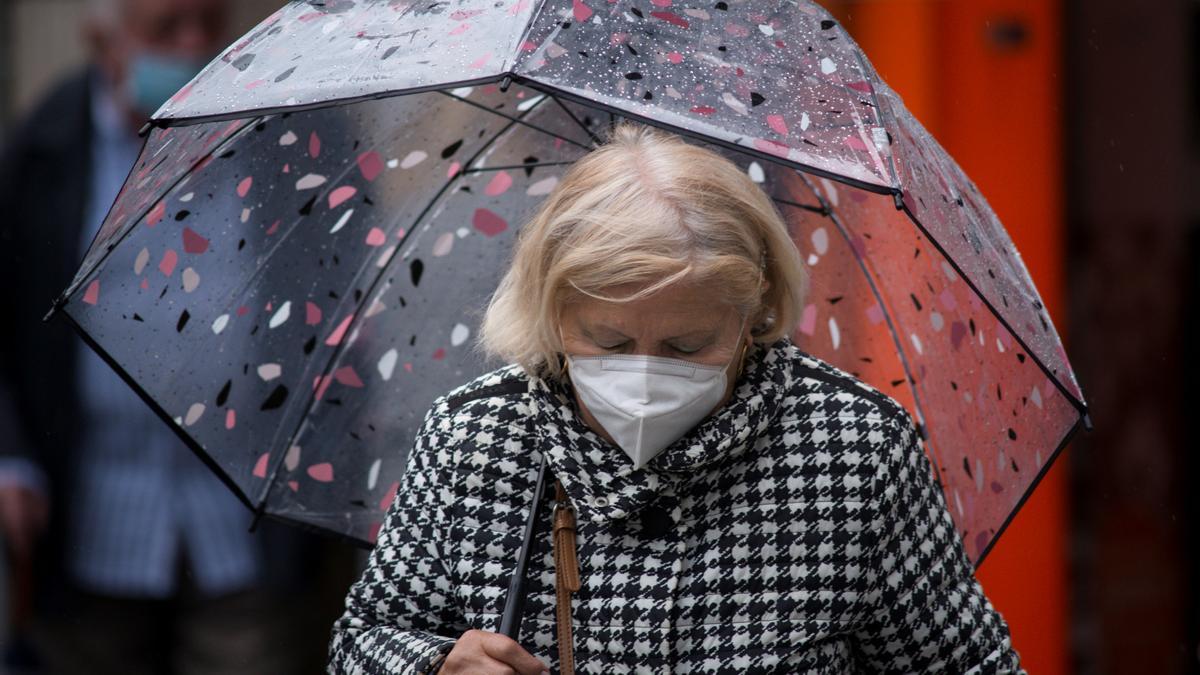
(310, 181)
(732, 102)
(412, 159)
(281, 315)
(443, 244)
(828, 66)
(341, 222)
(765, 29)
(805, 121)
(139, 263)
(373, 473)
(462, 92)
(218, 324)
(193, 414)
(269, 371)
(288, 138)
(755, 171)
(526, 105)
(292, 460)
(190, 280)
(820, 240)
(542, 187)
(459, 334)
(916, 343)
(835, 335)
(387, 363)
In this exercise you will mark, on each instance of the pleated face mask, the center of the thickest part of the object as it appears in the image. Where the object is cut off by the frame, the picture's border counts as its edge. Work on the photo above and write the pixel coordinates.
(646, 402)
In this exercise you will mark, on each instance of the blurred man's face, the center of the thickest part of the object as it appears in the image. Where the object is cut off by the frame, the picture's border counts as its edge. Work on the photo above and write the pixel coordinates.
(150, 43)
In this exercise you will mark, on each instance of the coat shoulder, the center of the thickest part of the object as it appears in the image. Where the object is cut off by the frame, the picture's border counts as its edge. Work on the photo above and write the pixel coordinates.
(490, 391)
(821, 389)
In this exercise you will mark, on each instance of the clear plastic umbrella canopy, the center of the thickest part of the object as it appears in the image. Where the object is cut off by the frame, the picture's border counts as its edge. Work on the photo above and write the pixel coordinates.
(297, 264)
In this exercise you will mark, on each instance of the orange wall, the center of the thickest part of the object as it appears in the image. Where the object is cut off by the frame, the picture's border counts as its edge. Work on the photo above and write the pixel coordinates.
(995, 106)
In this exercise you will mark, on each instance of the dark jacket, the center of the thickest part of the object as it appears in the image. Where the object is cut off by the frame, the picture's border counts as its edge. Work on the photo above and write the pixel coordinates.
(797, 529)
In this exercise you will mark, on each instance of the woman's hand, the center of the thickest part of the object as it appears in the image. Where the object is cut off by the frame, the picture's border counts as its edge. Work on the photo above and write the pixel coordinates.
(479, 652)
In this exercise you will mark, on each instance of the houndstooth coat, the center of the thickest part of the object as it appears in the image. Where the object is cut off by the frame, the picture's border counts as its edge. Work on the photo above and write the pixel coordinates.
(797, 529)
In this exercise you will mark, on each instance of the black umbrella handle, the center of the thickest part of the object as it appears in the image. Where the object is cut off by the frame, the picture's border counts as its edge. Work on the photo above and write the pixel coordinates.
(514, 603)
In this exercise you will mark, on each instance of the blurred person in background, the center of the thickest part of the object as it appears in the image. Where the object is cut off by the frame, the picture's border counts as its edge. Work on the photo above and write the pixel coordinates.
(130, 555)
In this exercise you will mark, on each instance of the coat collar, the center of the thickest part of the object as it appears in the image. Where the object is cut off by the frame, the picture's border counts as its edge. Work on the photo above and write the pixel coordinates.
(600, 479)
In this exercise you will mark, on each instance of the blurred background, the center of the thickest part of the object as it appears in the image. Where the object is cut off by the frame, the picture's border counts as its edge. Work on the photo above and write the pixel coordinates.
(1078, 121)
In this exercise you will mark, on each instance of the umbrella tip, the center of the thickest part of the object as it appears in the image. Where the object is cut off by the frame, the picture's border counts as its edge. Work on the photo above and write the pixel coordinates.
(504, 84)
(1087, 422)
(58, 303)
(899, 199)
(145, 129)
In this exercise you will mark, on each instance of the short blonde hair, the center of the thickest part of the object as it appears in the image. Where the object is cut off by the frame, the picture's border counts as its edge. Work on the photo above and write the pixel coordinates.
(647, 208)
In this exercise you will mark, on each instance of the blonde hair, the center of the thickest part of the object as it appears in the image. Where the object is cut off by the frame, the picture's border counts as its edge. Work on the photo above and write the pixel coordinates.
(646, 208)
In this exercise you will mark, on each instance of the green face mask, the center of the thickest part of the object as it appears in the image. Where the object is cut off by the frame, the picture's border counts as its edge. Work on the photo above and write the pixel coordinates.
(154, 78)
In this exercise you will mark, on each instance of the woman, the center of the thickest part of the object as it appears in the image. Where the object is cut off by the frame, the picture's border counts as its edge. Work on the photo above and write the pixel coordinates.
(740, 506)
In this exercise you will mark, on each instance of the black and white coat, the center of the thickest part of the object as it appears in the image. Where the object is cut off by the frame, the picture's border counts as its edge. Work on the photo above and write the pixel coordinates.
(797, 529)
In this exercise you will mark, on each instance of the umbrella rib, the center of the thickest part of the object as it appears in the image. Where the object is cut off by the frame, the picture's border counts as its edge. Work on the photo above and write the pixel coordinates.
(511, 118)
(481, 169)
(595, 139)
(908, 377)
(824, 211)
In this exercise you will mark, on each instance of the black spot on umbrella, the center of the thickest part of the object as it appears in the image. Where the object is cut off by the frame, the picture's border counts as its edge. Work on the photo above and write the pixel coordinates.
(915, 301)
(722, 6)
(355, 436)
(243, 62)
(529, 169)
(309, 344)
(637, 12)
(241, 244)
(182, 214)
(633, 75)
(416, 268)
(389, 52)
(827, 24)
(1020, 357)
(971, 325)
(412, 341)
(254, 330)
(224, 393)
(138, 317)
(285, 74)
(999, 393)
(1012, 434)
(245, 368)
(359, 503)
(1014, 464)
(334, 295)
(835, 299)
(358, 294)
(183, 319)
(276, 399)
(631, 49)
(953, 385)
(257, 127)
(722, 48)
(566, 25)
(805, 140)
(451, 149)
(756, 98)
(308, 206)
(967, 468)
(226, 155)
(647, 96)
(897, 383)
(162, 293)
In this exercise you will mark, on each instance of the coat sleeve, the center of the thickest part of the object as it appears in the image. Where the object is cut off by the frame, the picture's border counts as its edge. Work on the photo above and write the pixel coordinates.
(924, 612)
(400, 615)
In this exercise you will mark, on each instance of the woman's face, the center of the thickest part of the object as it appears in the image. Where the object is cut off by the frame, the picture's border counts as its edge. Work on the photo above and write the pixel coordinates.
(681, 321)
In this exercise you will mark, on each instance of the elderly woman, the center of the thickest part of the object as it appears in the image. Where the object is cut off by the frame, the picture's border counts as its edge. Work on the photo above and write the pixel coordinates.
(738, 505)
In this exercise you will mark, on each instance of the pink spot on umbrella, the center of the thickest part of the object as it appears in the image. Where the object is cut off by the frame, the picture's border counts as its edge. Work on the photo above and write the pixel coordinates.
(92, 294)
(439, 354)
(336, 336)
(498, 184)
(230, 418)
(487, 222)
(703, 109)
(312, 313)
(376, 237)
(875, 314)
(582, 12)
(454, 167)
(244, 187)
(322, 472)
(856, 143)
(287, 168)
(674, 57)
(340, 195)
(618, 39)
(268, 307)
(156, 214)
(274, 227)
(737, 30)
(255, 84)
(260, 467)
(464, 14)
(517, 8)
(167, 264)
(777, 124)
(808, 320)
(460, 28)
(478, 63)
(947, 300)
(773, 147)
(661, 3)
(370, 165)
(958, 331)
(241, 311)
(294, 485)
(408, 367)
(389, 497)
(145, 283)
(861, 85)
(528, 45)
(671, 18)
(314, 145)
(346, 375)
(320, 384)
(193, 242)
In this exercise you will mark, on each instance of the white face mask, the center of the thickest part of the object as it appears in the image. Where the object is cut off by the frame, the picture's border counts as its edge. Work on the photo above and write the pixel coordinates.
(646, 402)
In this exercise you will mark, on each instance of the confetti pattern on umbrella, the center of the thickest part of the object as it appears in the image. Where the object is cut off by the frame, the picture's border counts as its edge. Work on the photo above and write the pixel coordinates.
(294, 286)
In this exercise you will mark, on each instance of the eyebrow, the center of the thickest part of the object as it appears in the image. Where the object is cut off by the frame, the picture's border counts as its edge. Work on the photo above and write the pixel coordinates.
(699, 332)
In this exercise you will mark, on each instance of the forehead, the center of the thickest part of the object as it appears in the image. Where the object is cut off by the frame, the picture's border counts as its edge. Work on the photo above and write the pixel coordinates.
(676, 308)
